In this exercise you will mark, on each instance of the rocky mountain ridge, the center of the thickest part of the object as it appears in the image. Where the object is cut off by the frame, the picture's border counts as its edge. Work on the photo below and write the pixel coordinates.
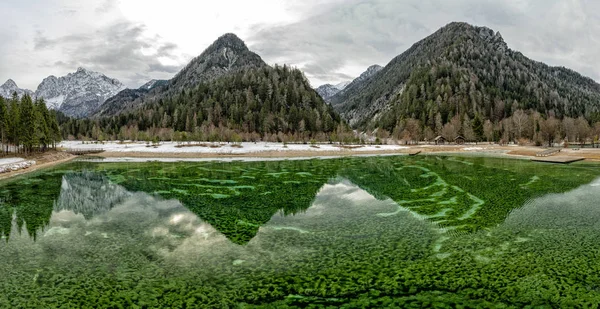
(78, 94)
(328, 91)
(10, 87)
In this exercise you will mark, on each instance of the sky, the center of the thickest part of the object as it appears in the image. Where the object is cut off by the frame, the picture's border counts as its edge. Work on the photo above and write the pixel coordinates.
(330, 40)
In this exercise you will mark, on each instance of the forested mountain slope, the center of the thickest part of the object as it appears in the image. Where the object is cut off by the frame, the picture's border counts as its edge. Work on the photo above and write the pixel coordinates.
(228, 54)
(227, 93)
(463, 70)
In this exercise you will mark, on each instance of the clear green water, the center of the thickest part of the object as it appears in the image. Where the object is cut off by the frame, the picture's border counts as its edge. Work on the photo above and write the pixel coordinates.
(393, 232)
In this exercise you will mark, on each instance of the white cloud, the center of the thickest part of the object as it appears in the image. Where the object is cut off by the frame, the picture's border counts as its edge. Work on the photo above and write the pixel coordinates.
(331, 40)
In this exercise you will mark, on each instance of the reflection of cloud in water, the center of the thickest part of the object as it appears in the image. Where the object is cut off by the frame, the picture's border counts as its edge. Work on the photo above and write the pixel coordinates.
(340, 203)
(578, 208)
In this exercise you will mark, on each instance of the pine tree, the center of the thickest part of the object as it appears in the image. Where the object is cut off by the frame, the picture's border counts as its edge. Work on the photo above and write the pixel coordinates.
(27, 130)
(3, 123)
(42, 132)
(14, 122)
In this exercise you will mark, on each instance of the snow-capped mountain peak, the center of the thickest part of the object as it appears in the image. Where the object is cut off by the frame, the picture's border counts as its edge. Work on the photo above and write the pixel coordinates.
(10, 83)
(78, 94)
(9, 87)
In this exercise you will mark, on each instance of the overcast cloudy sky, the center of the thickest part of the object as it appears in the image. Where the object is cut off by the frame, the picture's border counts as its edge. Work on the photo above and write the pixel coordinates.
(331, 40)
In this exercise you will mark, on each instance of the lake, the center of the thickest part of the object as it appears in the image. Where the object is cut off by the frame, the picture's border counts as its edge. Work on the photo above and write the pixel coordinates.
(425, 231)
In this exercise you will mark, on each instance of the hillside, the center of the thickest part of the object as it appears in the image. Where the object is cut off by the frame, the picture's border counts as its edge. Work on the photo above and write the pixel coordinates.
(466, 71)
(227, 93)
(227, 55)
(328, 91)
(126, 98)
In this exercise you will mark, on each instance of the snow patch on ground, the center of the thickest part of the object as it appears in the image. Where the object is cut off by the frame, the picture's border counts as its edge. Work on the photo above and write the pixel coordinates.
(473, 148)
(126, 159)
(222, 148)
(15, 166)
(4, 161)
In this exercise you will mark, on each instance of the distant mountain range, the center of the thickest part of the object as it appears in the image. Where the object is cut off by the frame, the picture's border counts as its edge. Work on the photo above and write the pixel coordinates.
(10, 87)
(460, 71)
(76, 94)
(328, 91)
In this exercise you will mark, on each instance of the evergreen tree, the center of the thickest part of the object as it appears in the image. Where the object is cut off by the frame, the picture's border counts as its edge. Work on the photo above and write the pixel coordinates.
(28, 126)
(14, 122)
(3, 123)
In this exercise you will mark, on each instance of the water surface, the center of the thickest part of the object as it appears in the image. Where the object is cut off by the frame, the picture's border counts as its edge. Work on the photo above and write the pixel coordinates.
(352, 232)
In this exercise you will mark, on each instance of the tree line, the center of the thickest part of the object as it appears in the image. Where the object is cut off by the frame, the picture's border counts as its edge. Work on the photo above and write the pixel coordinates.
(268, 103)
(523, 127)
(27, 126)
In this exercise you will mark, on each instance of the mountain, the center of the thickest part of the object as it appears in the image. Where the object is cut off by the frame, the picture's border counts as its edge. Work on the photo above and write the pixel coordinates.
(78, 94)
(126, 98)
(228, 54)
(327, 91)
(10, 87)
(342, 85)
(372, 70)
(153, 84)
(469, 71)
(227, 93)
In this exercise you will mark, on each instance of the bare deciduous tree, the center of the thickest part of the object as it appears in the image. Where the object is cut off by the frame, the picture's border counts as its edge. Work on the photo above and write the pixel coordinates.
(549, 128)
(488, 130)
(520, 121)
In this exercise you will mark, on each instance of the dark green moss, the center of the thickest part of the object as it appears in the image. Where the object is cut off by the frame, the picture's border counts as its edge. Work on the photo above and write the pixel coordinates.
(438, 232)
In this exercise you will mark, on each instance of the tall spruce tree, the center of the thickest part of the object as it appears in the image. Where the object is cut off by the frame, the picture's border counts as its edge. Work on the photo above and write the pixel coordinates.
(3, 123)
(28, 123)
(14, 122)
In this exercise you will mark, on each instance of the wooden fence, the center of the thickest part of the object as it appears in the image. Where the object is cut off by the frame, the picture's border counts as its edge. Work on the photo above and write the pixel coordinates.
(81, 152)
(547, 152)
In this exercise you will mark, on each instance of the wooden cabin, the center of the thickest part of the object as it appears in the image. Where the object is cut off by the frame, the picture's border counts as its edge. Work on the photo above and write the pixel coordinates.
(440, 140)
(459, 140)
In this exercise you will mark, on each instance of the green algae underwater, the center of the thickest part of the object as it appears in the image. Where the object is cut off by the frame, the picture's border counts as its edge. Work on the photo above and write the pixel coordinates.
(397, 232)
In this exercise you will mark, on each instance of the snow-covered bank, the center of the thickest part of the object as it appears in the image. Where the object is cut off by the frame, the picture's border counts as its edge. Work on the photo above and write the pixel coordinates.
(5, 161)
(224, 148)
(224, 159)
(14, 164)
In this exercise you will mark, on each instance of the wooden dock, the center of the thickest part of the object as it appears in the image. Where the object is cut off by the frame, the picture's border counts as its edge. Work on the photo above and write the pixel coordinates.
(548, 152)
(558, 159)
(82, 152)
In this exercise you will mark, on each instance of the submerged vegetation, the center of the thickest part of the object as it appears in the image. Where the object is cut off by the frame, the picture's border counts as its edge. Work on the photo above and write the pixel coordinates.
(353, 232)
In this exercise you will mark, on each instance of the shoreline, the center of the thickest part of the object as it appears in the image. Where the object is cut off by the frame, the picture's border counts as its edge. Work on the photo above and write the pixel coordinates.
(46, 163)
(481, 150)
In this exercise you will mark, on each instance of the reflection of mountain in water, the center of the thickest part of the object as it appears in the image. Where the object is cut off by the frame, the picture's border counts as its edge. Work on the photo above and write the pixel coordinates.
(238, 198)
(459, 193)
(89, 194)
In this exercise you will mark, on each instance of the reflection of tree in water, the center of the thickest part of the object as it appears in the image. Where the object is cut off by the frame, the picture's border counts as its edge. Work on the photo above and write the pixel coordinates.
(28, 202)
(31, 201)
